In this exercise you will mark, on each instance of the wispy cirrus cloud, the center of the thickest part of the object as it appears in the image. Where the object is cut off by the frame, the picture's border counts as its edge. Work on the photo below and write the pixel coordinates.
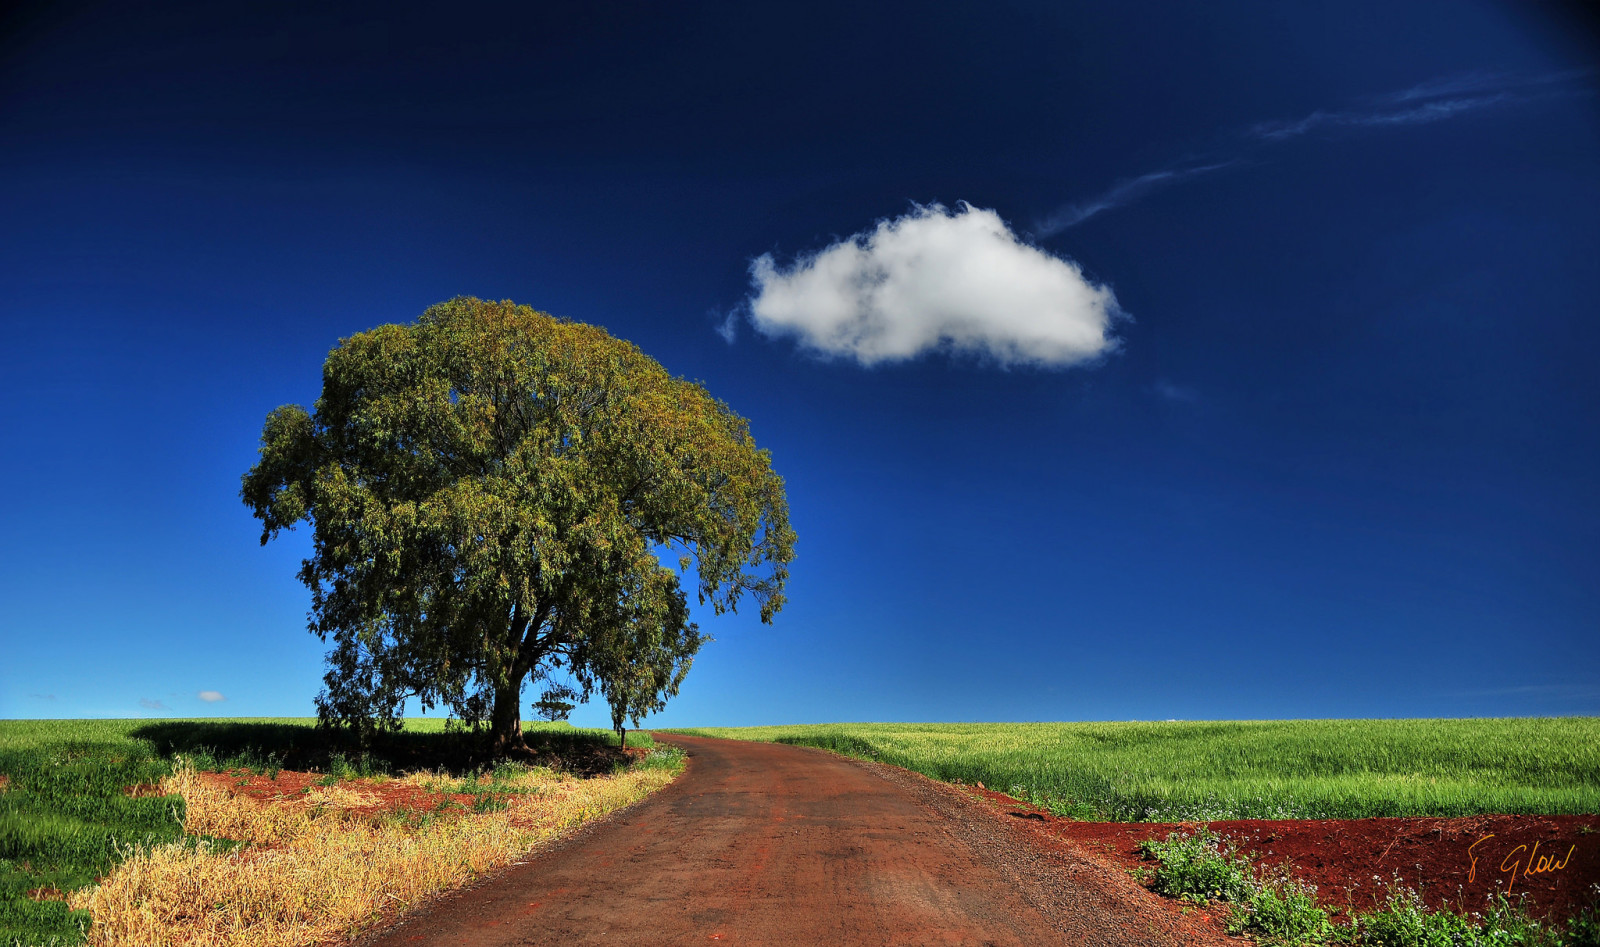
(1434, 100)
(1420, 113)
(1071, 215)
(1478, 83)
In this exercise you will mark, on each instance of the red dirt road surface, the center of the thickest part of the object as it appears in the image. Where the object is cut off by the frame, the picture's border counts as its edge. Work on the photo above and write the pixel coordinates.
(759, 843)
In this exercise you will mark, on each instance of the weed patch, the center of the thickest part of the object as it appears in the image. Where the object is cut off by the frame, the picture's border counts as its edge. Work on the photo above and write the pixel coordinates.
(1201, 866)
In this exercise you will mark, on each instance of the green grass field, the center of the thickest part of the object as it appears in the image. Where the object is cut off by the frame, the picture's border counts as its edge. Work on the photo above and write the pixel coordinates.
(65, 817)
(1197, 771)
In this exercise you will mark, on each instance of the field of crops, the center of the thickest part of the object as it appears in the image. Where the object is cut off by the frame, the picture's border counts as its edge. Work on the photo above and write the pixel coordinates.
(67, 816)
(1198, 771)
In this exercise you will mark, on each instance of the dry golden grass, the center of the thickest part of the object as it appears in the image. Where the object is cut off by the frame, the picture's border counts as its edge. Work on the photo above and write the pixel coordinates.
(534, 779)
(318, 872)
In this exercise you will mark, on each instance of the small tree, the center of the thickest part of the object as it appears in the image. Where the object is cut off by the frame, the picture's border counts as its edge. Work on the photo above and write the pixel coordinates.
(488, 489)
(556, 703)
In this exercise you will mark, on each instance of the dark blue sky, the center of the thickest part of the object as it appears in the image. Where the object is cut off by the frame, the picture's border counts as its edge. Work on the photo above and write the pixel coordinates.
(1344, 459)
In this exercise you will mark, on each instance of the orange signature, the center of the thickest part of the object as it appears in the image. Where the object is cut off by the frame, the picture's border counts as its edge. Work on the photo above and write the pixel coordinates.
(1535, 864)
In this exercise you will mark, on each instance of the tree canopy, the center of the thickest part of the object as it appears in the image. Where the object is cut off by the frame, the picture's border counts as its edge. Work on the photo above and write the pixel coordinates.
(491, 490)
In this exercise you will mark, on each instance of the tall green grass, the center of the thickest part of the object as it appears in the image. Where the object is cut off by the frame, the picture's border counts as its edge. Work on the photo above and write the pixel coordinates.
(1198, 771)
(66, 818)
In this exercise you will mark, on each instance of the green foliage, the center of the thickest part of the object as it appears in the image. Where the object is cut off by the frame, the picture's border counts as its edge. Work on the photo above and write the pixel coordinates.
(1199, 867)
(1404, 921)
(1200, 772)
(1283, 913)
(488, 490)
(1202, 867)
(1584, 930)
(642, 656)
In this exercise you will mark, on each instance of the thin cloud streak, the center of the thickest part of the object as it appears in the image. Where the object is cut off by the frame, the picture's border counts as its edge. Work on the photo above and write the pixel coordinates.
(1423, 114)
(1071, 215)
(1447, 86)
(1478, 82)
(1435, 100)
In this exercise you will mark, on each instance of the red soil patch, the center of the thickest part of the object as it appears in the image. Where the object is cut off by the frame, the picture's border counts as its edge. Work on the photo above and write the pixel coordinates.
(291, 787)
(5, 782)
(1457, 863)
(47, 894)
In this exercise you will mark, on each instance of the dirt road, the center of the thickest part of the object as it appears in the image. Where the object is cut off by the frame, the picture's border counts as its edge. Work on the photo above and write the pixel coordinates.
(765, 844)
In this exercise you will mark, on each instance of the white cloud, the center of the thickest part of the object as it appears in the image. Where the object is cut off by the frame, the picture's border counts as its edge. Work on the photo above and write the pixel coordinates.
(149, 704)
(211, 697)
(935, 279)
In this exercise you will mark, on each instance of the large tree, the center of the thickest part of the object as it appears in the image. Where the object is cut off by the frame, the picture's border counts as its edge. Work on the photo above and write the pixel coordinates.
(491, 490)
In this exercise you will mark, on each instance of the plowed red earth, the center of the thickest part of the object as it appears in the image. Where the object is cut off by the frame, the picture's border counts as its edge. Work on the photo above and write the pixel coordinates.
(759, 843)
(379, 795)
(290, 787)
(1458, 863)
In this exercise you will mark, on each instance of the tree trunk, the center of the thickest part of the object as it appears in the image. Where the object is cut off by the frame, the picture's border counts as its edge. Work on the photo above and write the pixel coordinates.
(505, 720)
(622, 737)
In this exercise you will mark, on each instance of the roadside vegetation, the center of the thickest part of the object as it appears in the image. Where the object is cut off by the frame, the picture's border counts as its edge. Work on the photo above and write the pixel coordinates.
(1201, 867)
(1213, 771)
(119, 831)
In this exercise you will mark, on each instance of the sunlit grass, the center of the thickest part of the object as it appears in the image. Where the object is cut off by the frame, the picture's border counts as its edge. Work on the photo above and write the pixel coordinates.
(327, 872)
(66, 816)
(1200, 771)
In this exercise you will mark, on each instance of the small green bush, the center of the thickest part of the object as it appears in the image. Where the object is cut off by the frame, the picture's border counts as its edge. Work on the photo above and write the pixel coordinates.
(1199, 867)
(1202, 866)
(1404, 921)
(1283, 913)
